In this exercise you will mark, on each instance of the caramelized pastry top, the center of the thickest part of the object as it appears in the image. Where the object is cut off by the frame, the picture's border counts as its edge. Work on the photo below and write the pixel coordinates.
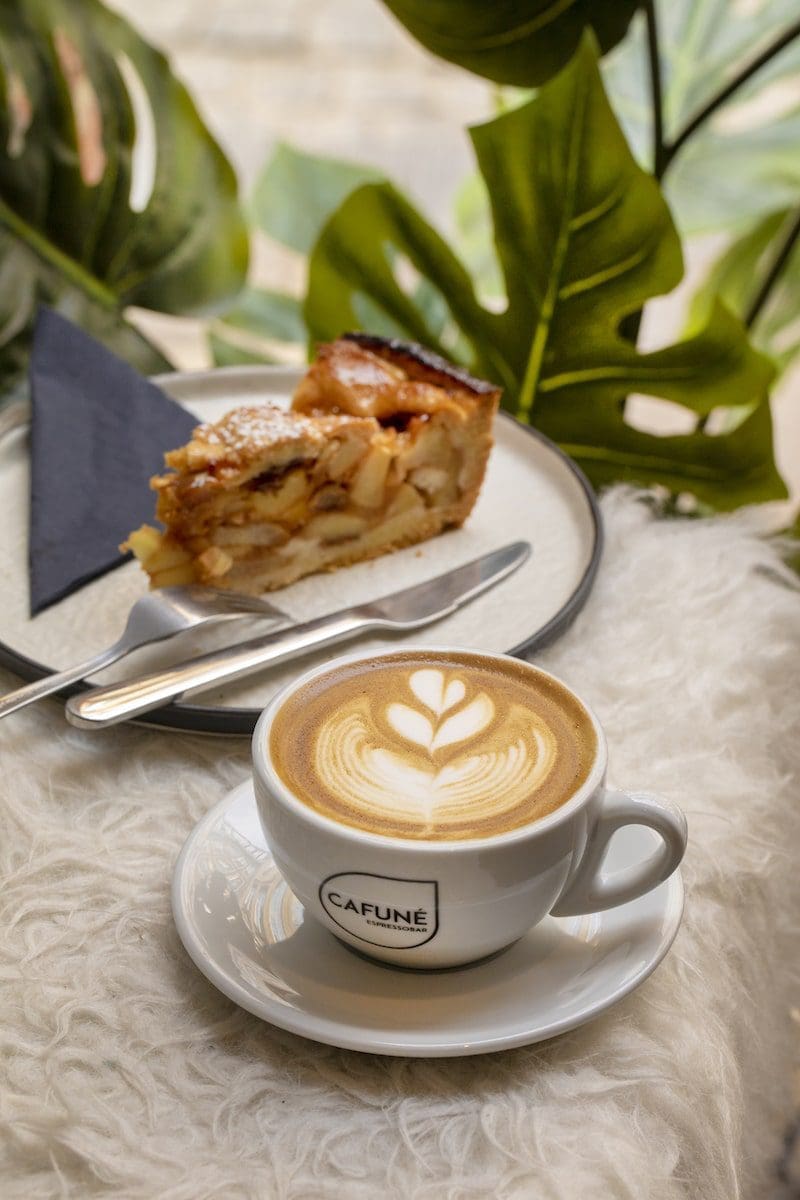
(421, 363)
(367, 376)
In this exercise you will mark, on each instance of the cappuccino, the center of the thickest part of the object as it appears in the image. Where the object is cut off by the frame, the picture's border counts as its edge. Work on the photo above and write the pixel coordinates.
(433, 745)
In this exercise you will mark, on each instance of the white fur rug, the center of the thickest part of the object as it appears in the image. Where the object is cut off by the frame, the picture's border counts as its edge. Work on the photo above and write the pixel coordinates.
(125, 1074)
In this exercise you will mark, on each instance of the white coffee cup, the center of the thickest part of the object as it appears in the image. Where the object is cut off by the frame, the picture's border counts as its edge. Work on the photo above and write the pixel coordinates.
(433, 904)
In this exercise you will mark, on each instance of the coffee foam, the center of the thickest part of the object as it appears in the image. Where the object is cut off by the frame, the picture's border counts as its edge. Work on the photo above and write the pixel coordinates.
(433, 746)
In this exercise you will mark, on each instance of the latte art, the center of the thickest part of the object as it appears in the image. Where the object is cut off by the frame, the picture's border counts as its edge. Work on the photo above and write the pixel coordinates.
(433, 749)
(444, 755)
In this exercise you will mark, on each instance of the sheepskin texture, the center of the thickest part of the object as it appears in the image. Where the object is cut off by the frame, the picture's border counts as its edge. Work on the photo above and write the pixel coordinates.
(125, 1074)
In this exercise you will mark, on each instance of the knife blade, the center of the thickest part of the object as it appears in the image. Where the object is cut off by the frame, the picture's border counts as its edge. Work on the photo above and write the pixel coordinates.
(410, 608)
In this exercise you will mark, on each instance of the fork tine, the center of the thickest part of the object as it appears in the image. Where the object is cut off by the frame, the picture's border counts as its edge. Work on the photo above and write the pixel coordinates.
(238, 602)
(220, 599)
(252, 603)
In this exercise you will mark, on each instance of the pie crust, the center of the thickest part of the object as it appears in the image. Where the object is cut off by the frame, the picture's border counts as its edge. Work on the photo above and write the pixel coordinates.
(385, 444)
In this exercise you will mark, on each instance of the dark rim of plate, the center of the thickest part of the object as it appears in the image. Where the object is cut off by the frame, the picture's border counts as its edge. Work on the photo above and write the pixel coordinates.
(195, 718)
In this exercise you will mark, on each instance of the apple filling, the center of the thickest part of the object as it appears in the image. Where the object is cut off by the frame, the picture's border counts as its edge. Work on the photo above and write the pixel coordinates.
(369, 458)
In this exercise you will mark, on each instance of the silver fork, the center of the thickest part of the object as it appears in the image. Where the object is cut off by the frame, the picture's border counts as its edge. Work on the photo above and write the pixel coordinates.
(157, 615)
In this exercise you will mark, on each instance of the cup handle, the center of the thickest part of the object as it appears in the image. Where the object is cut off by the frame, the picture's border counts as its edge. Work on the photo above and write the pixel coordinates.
(590, 890)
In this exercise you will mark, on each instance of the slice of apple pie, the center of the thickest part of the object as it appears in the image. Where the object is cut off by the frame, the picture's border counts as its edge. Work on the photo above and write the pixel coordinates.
(385, 444)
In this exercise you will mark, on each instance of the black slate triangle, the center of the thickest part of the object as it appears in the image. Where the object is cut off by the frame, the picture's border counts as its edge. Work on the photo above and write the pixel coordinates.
(98, 432)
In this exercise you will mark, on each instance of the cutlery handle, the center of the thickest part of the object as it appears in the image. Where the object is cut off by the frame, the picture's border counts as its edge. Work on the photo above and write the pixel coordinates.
(61, 679)
(121, 701)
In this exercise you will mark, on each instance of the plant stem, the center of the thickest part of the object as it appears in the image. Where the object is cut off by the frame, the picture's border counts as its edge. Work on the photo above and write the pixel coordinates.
(711, 106)
(654, 64)
(50, 254)
(782, 255)
(776, 267)
(630, 325)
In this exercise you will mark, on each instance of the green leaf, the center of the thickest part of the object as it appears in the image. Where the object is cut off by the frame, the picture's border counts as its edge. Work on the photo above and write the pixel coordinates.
(508, 41)
(583, 237)
(723, 471)
(473, 236)
(723, 181)
(255, 327)
(296, 193)
(294, 196)
(268, 314)
(226, 353)
(357, 270)
(744, 162)
(77, 85)
(735, 278)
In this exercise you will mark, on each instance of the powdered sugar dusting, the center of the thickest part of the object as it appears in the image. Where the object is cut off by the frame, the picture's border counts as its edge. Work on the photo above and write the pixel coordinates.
(258, 426)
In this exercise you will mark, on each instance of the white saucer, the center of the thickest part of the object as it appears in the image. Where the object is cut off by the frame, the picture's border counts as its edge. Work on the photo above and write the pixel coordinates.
(247, 933)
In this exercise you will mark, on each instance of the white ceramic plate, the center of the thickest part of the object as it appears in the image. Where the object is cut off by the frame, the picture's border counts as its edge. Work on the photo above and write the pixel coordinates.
(248, 935)
(531, 491)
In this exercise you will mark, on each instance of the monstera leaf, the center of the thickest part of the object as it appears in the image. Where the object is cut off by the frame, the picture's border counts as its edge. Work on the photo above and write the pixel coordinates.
(112, 191)
(294, 195)
(296, 192)
(744, 162)
(261, 323)
(583, 239)
(736, 276)
(508, 41)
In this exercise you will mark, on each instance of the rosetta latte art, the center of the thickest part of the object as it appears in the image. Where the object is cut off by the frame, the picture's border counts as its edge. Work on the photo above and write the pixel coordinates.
(433, 745)
(440, 755)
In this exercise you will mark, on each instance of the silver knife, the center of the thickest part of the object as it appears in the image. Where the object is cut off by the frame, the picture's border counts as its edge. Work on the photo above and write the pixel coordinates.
(410, 609)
